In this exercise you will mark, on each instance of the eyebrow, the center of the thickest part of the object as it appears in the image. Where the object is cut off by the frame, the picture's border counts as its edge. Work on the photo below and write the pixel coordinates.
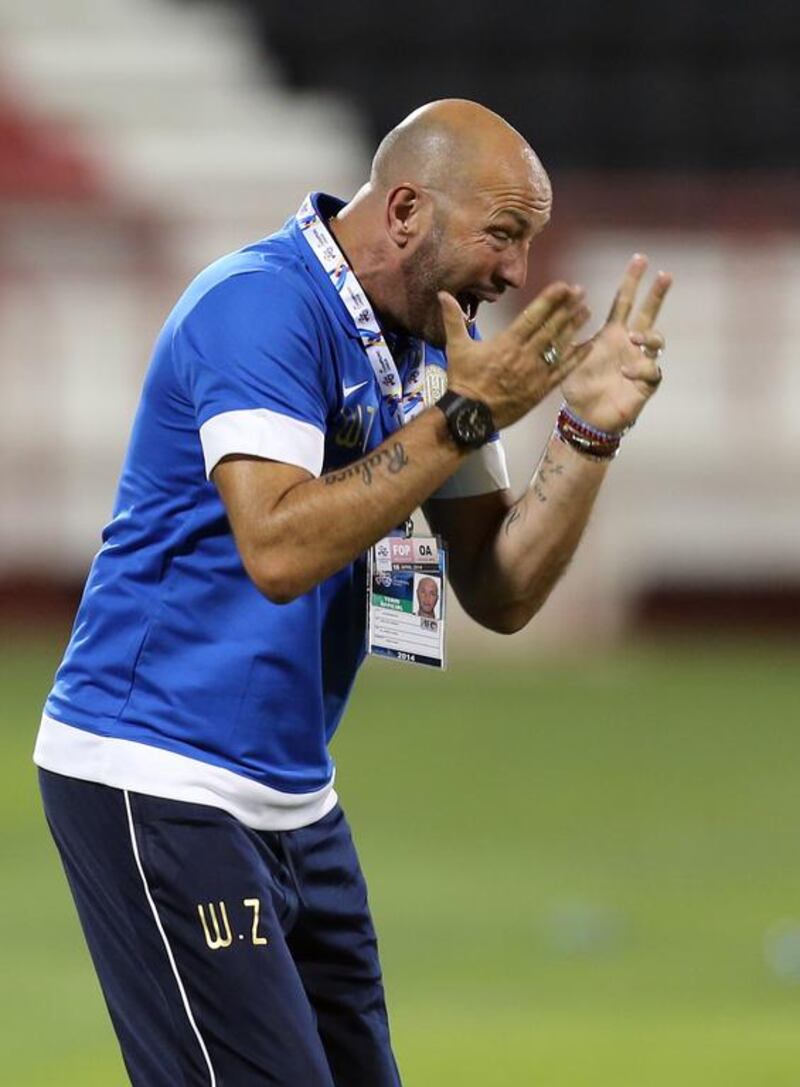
(522, 220)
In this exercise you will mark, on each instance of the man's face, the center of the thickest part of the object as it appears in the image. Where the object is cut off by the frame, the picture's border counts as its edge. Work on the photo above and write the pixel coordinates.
(427, 596)
(476, 248)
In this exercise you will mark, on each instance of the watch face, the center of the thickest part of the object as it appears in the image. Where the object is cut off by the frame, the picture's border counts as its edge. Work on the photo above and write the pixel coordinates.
(472, 423)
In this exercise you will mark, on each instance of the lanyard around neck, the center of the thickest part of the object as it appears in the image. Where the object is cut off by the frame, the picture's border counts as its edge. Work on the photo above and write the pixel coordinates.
(404, 403)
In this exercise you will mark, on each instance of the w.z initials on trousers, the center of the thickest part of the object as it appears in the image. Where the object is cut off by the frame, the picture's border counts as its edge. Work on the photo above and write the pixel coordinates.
(228, 957)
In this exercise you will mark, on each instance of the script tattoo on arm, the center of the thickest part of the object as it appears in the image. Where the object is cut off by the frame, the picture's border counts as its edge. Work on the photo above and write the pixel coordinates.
(547, 468)
(395, 458)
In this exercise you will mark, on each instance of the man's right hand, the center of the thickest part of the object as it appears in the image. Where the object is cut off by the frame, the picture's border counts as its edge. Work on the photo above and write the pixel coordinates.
(293, 531)
(509, 372)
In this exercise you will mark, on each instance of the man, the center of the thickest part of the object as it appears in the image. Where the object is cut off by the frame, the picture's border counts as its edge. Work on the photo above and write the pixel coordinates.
(283, 430)
(427, 597)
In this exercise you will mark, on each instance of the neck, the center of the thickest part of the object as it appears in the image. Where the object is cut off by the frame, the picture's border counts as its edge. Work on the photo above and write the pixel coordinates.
(354, 229)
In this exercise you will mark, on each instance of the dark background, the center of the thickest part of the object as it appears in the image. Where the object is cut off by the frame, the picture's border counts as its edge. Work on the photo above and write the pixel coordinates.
(710, 85)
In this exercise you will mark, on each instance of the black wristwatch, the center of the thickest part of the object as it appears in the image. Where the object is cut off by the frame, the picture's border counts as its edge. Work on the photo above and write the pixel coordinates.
(469, 421)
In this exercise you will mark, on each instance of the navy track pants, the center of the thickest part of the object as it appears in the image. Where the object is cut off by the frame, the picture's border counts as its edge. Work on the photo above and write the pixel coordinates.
(228, 957)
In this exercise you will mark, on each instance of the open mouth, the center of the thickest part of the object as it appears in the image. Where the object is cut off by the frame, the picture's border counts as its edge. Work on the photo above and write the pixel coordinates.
(469, 303)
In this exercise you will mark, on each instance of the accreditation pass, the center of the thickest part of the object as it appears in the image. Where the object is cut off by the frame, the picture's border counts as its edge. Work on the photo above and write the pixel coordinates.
(406, 599)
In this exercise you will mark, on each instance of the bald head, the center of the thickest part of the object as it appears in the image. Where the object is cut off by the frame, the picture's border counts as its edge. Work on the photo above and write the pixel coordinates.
(455, 144)
(454, 201)
(427, 597)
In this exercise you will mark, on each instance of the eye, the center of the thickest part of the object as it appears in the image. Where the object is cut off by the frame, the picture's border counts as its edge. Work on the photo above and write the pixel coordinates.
(500, 234)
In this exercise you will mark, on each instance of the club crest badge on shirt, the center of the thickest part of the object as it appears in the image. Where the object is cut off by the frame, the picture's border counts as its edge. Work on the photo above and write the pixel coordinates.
(435, 383)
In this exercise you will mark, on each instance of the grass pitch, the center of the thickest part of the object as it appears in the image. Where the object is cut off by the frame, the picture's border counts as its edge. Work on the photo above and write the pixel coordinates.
(582, 874)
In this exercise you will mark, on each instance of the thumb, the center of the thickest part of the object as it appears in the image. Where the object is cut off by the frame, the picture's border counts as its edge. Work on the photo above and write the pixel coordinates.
(455, 329)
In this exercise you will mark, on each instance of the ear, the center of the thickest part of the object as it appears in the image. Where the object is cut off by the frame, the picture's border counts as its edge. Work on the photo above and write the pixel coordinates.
(407, 212)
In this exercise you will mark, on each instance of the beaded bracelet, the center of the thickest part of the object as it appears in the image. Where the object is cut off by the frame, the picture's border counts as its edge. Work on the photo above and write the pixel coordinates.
(586, 439)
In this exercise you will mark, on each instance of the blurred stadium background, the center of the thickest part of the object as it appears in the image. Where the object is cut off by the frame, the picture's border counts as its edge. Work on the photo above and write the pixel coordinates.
(601, 885)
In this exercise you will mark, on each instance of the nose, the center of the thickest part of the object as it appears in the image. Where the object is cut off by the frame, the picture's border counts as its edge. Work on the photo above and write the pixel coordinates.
(514, 269)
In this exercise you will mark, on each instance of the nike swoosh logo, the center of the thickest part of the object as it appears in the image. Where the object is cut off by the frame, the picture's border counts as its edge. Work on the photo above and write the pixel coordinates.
(348, 389)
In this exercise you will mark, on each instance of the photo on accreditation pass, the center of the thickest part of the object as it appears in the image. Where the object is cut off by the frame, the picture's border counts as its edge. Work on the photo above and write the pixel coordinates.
(427, 596)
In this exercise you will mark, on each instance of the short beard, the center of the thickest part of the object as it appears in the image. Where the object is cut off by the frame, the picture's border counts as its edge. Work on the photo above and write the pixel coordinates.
(423, 278)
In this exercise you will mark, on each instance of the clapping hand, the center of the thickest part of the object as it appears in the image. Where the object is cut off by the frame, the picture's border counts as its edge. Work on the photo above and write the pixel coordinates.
(517, 368)
(619, 369)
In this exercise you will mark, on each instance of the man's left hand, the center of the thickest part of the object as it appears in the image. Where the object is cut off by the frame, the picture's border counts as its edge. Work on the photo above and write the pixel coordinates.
(620, 369)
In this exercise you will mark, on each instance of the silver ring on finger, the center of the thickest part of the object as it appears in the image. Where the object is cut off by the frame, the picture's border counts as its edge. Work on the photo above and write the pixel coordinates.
(651, 352)
(551, 356)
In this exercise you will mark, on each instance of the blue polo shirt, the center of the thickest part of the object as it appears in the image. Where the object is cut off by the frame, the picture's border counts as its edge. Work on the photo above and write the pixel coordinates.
(180, 678)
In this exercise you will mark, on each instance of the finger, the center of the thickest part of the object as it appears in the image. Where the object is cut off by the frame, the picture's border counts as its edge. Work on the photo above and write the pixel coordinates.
(545, 305)
(554, 338)
(646, 317)
(562, 354)
(455, 327)
(625, 296)
(650, 343)
(563, 333)
(552, 328)
(645, 367)
(652, 377)
(570, 360)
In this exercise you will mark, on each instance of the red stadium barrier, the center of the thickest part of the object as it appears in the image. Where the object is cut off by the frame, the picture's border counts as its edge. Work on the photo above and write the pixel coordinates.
(39, 161)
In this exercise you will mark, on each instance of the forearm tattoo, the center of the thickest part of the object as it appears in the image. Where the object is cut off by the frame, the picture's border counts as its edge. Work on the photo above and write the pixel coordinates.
(547, 468)
(512, 517)
(395, 458)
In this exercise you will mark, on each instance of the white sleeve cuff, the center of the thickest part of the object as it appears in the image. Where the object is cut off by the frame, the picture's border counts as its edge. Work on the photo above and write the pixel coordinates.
(483, 471)
(259, 432)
